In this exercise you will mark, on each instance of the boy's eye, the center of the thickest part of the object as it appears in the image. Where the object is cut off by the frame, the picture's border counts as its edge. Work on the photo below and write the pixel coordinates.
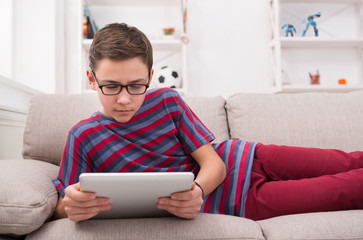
(135, 87)
(112, 87)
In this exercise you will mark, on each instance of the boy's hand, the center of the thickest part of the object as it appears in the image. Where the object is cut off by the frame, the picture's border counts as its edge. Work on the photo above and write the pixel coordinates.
(183, 204)
(82, 205)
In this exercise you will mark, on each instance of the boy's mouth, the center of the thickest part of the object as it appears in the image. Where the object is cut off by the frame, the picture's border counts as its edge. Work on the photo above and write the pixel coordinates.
(123, 111)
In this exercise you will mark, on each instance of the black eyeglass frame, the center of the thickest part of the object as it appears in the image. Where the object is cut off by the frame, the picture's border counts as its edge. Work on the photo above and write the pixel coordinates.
(122, 86)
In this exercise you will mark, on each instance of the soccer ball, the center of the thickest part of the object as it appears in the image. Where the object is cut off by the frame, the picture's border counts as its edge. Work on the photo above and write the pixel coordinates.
(167, 77)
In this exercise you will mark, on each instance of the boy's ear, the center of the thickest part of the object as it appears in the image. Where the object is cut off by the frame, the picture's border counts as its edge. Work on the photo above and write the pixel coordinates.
(91, 80)
(151, 75)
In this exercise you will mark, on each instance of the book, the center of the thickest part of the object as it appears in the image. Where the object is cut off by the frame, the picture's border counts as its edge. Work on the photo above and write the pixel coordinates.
(90, 33)
(85, 21)
(89, 25)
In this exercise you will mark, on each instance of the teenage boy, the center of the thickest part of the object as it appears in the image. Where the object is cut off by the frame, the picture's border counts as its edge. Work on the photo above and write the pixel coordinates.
(133, 131)
(140, 130)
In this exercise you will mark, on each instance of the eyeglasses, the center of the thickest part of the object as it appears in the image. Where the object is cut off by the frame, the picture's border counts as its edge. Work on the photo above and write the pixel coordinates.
(114, 89)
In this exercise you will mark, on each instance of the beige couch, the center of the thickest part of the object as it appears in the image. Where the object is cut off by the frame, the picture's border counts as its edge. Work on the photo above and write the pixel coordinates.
(326, 120)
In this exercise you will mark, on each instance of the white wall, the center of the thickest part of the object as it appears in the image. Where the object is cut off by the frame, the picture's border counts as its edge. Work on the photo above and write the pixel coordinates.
(6, 39)
(228, 50)
(35, 44)
(27, 62)
(31, 43)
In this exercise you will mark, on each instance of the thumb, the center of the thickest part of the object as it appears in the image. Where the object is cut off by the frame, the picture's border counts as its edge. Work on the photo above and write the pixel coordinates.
(77, 186)
(193, 186)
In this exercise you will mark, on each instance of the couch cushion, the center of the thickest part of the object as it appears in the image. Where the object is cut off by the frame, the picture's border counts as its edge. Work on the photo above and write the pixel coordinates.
(212, 112)
(325, 120)
(50, 118)
(28, 197)
(327, 226)
(204, 226)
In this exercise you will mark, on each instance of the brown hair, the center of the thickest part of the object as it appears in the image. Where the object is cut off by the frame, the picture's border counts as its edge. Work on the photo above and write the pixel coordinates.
(118, 41)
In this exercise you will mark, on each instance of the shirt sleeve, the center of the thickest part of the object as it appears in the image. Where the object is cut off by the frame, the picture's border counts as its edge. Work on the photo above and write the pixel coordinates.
(72, 165)
(192, 132)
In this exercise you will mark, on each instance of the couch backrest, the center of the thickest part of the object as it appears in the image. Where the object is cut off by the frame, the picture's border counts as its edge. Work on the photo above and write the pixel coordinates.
(50, 118)
(325, 120)
(212, 112)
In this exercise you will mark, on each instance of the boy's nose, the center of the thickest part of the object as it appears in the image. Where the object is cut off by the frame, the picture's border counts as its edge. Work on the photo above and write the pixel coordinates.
(123, 97)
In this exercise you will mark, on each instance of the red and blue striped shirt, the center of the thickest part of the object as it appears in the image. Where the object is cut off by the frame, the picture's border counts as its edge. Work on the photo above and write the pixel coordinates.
(159, 137)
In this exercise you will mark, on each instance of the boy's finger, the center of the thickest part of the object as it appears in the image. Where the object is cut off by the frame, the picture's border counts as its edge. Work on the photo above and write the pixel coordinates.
(88, 210)
(74, 193)
(81, 196)
(179, 204)
(188, 213)
(78, 186)
(97, 202)
(93, 203)
(187, 195)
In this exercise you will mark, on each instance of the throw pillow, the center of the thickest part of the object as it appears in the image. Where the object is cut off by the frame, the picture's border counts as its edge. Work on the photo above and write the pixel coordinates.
(28, 196)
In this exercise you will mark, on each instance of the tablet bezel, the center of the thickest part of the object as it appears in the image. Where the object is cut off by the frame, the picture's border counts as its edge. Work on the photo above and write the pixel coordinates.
(135, 195)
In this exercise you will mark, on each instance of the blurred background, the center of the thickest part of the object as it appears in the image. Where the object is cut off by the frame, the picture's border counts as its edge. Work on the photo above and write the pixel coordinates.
(217, 47)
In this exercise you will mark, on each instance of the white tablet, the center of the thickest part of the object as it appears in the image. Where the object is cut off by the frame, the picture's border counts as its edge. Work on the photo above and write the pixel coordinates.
(135, 195)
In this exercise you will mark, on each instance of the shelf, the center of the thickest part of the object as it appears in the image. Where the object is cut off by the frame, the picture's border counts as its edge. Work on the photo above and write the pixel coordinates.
(337, 52)
(166, 51)
(299, 42)
(319, 88)
(167, 44)
(132, 3)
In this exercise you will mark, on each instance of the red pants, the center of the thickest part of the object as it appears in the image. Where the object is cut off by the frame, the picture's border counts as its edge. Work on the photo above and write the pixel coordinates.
(289, 180)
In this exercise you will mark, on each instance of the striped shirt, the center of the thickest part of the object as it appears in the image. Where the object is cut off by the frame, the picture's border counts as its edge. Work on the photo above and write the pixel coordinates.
(159, 137)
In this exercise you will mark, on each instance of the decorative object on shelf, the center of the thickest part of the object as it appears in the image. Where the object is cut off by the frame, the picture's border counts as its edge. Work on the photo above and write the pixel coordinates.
(169, 32)
(184, 39)
(289, 29)
(315, 79)
(89, 25)
(184, 8)
(311, 22)
(284, 78)
(167, 77)
(342, 81)
(85, 21)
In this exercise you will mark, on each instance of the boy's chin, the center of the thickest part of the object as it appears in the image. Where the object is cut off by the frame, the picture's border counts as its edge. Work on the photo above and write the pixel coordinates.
(122, 119)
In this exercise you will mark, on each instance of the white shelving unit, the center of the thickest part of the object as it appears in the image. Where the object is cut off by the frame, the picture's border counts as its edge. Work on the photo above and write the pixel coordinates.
(156, 15)
(336, 53)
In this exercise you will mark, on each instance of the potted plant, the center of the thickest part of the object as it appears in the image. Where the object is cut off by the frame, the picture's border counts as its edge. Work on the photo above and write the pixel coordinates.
(169, 32)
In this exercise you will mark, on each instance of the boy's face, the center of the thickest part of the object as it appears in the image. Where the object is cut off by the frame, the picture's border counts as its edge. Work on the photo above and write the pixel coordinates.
(122, 106)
